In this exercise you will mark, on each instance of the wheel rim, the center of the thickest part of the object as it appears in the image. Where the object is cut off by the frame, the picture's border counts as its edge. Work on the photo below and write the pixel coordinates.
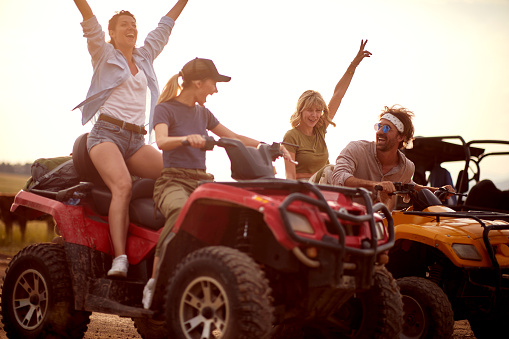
(30, 299)
(414, 324)
(204, 309)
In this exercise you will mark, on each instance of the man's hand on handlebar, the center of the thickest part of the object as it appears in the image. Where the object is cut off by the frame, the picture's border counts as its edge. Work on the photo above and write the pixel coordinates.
(444, 192)
(386, 187)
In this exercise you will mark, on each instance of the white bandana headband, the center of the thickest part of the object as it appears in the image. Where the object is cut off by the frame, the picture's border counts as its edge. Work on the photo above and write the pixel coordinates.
(395, 121)
(399, 126)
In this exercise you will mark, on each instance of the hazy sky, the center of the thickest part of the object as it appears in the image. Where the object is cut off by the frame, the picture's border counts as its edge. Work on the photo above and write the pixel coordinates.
(444, 59)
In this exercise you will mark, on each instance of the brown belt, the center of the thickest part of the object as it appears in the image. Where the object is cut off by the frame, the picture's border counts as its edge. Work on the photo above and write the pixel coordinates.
(123, 124)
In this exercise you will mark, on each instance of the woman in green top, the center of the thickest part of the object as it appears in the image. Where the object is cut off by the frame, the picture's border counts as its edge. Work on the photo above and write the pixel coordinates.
(309, 125)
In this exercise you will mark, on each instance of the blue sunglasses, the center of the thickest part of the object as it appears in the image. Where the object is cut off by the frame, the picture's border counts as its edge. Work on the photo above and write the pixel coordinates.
(385, 128)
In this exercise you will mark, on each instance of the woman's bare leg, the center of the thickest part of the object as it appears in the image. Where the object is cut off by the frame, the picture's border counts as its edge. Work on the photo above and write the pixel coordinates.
(113, 170)
(147, 162)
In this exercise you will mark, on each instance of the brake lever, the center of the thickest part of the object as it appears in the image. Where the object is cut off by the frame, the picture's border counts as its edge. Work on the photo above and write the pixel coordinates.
(293, 145)
(380, 188)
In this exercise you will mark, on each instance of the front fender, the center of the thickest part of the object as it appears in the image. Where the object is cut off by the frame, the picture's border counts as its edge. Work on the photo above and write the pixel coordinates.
(209, 205)
(442, 239)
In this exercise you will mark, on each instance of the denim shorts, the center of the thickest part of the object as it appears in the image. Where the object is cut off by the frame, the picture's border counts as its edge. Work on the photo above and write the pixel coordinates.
(127, 142)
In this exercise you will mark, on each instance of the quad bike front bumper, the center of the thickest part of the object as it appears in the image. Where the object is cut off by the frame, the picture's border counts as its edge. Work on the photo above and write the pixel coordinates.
(339, 260)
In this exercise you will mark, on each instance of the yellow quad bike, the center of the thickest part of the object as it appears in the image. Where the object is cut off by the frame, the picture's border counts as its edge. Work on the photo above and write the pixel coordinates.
(450, 266)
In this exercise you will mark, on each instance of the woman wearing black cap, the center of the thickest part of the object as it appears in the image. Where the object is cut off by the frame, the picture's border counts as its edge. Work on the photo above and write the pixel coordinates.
(117, 96)
(182, 117)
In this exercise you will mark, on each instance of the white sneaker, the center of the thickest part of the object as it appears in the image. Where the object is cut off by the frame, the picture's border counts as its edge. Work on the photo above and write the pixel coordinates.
(148, 293)
(119, 267)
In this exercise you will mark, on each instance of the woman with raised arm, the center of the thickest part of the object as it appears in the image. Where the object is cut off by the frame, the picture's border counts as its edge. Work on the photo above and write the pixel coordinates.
(306, 140)
(122, 73)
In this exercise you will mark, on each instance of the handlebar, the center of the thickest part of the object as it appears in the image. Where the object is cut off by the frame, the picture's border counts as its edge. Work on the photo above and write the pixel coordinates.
(210, 142)
(247, 163)
(401, 188)
(422, 198)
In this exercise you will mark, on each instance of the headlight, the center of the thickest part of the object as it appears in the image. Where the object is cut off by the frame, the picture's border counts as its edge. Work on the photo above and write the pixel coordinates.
(380, 230)
(299, 223)
(466, 252)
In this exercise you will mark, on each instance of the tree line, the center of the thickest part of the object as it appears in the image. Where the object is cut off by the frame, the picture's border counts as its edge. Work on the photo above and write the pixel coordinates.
(15, 168)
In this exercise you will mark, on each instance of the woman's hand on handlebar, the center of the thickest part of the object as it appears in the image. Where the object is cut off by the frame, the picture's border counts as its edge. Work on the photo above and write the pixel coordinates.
(194, 140)
(286, 154)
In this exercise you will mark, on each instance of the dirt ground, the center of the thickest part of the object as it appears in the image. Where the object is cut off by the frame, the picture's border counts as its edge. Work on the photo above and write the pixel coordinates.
(114, 327)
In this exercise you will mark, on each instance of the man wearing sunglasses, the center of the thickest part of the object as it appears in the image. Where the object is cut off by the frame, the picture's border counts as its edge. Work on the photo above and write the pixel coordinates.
(370, 163)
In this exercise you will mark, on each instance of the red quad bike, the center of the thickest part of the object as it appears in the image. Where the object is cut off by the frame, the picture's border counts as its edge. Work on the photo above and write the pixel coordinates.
(255, 258)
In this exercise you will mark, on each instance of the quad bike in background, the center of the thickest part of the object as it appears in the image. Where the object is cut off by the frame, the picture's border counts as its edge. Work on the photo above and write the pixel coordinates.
(431, 156)
(253, 258)
(450, 265)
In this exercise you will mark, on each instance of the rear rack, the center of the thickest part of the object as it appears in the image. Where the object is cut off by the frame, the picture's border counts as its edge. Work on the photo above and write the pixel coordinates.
(77, 192)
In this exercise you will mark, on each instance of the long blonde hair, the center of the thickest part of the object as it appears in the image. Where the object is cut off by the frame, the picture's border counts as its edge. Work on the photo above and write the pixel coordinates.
(171, 89)
(311, 99)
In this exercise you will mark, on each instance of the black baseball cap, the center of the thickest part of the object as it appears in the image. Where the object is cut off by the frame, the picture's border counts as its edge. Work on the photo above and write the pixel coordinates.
(199, 69)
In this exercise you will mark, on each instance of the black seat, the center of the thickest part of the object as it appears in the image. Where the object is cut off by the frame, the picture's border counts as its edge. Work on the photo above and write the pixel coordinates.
(142, 210)
(82, 162)
(425, 199)
(485, 195)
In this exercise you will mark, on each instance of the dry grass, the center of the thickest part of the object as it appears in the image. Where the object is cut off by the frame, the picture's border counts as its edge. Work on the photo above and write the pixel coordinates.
(36, 231)
(12, 183)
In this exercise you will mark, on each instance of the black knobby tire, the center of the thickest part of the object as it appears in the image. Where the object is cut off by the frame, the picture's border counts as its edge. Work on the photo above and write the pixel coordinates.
(381, 308)
(150, 328)
(37, 296)
(374, 313)
(428, 312)
(218, 291)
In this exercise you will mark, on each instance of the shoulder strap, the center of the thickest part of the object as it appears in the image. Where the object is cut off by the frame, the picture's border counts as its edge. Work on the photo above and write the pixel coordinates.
(50, 173)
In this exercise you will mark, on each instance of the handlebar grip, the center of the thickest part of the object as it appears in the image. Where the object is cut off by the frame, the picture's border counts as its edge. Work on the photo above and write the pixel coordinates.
(380, 188)
(210, 142)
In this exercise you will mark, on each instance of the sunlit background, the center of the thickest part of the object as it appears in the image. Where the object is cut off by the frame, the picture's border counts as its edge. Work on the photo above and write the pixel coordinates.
(447, 60)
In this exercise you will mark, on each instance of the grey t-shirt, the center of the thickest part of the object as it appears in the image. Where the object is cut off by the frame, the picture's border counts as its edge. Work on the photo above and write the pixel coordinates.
(184, 120)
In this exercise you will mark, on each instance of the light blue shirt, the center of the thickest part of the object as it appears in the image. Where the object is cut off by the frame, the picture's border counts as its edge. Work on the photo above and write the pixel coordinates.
(111, 68)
